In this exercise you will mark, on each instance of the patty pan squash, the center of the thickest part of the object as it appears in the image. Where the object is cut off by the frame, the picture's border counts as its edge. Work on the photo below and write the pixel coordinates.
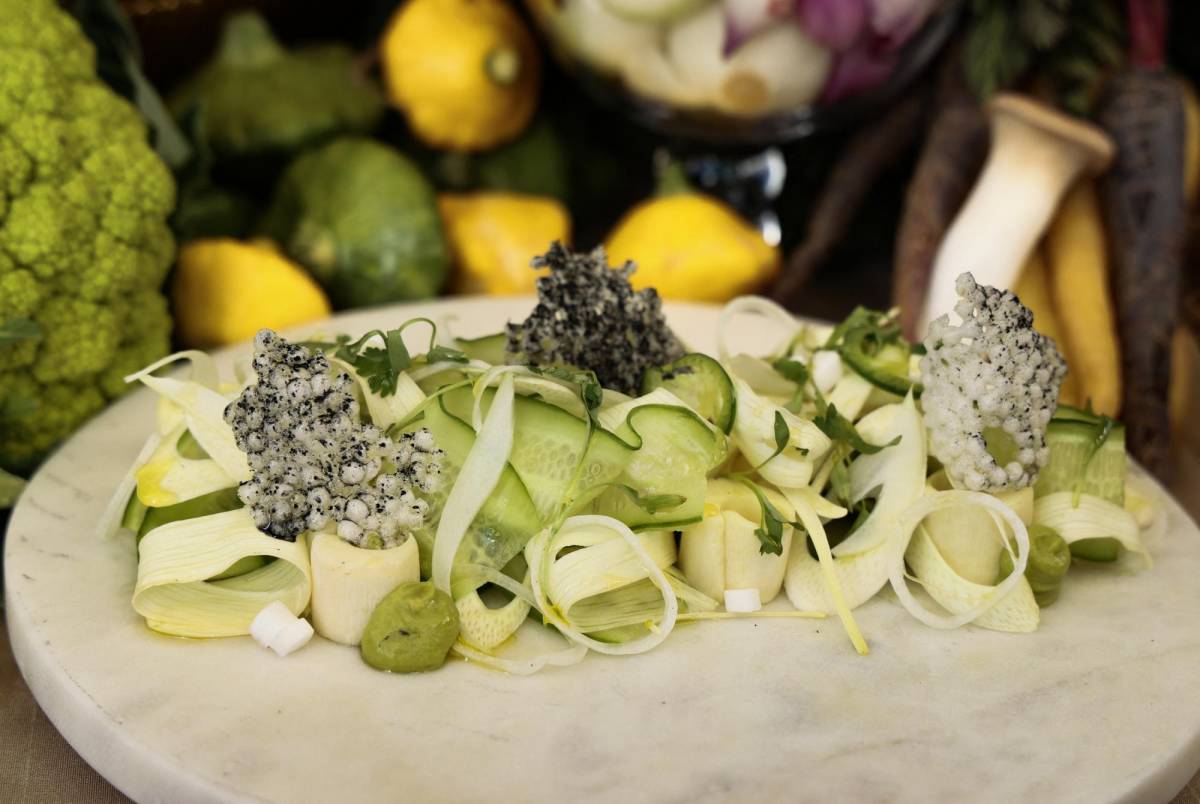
(256, 96)
(224, 291)
(464, 72)
(692, 247)
(364, 222)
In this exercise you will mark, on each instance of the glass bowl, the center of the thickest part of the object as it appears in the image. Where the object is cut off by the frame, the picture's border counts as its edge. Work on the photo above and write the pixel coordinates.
(742, 72)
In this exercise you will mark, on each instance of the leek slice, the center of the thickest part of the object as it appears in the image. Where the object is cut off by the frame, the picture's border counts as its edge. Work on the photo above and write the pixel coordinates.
(589, 532)
(204, 412)
(348, 582)
(758, 306)
(480, 473)
(166, 478)
(1092, 518)
(754, 434)
(965, 607)
(850, 394)
(897, 474)
(114, 512)
(810, 506)
(761, 377)
(1016, 612)
(176, 559)
(204, 368)
(522, 667)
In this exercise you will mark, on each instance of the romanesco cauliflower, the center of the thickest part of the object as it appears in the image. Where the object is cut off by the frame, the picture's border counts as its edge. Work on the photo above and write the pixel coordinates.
(84, 243)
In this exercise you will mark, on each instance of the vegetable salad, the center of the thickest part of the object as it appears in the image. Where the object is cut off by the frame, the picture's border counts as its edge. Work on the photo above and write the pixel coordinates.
(585, 469)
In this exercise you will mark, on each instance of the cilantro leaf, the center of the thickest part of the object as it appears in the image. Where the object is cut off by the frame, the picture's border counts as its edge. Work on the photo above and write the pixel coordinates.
(440, 354)
(842, 430)
(651, 503)
(591, 393)
(792, 370)
(770, 528)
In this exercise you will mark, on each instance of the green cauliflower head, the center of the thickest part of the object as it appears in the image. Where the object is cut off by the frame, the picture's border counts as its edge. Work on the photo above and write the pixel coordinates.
(84, 243)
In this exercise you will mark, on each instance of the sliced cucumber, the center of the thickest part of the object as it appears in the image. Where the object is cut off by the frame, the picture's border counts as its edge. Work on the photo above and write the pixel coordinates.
(548, 443)
(674, 451)
(490, 348)
(1070, 413)
(1074, 466)
(507, 521)
(885, 366)
(135, 513)
(699, 381)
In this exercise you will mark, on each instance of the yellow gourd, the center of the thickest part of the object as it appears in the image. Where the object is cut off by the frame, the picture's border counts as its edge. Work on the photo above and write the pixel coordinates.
(1077, 266)
(493, 236)
(1033, 289)
(464, 72)
(690, 246)
(225, 290)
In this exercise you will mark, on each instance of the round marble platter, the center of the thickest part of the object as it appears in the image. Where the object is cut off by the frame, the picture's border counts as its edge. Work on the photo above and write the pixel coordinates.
(1101, 704)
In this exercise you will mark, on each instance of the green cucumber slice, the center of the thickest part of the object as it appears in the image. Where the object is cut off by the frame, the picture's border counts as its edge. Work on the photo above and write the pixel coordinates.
(702, 383)
(674, 451)
(548, 443)
(507, 521)
(489, 348)
(884, 366)
(1070, 469)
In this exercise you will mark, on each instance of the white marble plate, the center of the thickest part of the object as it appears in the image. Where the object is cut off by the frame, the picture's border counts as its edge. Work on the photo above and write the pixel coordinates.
(1101, 704)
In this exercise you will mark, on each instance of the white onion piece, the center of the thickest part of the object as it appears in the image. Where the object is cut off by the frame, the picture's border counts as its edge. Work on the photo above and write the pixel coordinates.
(906, 525)
(480, 473)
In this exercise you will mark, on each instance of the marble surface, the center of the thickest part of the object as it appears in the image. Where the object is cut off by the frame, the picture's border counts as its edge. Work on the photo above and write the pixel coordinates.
(1101, 704)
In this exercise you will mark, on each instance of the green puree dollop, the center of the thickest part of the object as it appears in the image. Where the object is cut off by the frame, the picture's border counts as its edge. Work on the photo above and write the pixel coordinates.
(411, 630)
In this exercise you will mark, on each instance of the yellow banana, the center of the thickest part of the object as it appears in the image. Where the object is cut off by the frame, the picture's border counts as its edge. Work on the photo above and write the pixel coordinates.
(1033, 289)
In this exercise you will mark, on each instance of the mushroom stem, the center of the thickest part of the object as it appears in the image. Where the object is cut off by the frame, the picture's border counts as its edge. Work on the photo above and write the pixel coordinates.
(1036, 155)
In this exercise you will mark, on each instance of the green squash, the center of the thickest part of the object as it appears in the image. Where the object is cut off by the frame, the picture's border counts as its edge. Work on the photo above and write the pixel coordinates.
(364, 222)
(258, 97)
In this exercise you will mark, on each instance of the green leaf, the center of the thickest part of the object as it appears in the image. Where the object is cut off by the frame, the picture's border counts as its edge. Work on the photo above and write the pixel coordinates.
(651, 503)
(792, 370)
(839, 429)
(11, 487)
(15, 330)
(839, 480)
(770, 528)
(591, 392)
(439, 354)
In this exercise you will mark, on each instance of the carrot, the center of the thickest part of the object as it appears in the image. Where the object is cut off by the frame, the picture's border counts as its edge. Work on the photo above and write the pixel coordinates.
(1147, 221)
(950, 160)
(875, 148)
